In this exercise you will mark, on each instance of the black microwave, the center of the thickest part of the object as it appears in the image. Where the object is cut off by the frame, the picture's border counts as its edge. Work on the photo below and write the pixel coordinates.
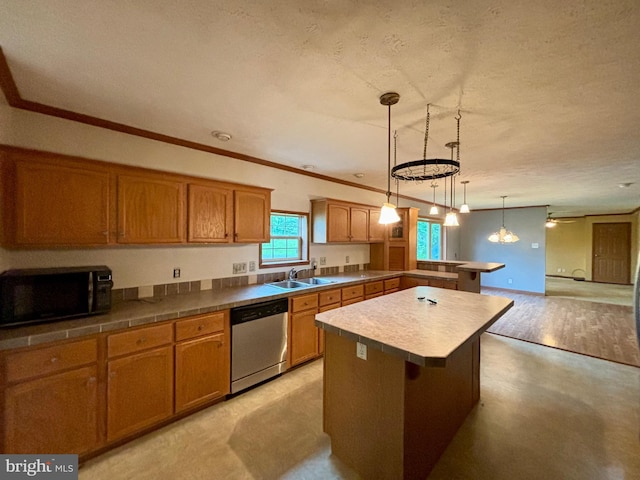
(37, 295)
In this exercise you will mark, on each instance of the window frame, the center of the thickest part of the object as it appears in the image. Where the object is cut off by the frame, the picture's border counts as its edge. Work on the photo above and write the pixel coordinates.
(303, 239)
(431, 222)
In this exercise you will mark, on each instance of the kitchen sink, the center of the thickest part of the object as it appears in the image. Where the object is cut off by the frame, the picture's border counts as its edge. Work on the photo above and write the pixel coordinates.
(289, 284)
(315, 281)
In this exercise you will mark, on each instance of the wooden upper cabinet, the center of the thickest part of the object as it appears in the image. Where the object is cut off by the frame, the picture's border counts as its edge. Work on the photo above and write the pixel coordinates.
(377, 231)
(339, 222)
(150, 210)
(359, 224)
(399, 231)
(252, 215)
(338, 219)
(210, 213)
(59, 205)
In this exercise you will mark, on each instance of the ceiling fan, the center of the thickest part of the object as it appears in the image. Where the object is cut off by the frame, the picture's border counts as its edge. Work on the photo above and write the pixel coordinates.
(552, 222)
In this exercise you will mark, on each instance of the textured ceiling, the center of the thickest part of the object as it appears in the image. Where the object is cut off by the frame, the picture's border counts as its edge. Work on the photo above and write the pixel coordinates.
(548, 90)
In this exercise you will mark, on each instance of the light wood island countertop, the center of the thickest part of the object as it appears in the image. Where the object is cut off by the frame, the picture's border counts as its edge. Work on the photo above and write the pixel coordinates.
(416, 330)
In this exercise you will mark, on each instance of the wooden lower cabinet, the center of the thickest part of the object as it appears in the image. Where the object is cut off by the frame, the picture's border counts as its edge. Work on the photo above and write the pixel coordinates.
(54, 414)
(50, 400)
(203, 355)
(139, 391)
(303, 333)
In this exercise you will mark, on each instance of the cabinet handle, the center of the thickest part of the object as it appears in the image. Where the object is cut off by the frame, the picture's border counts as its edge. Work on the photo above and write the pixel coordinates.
(112, 374)
(121, 234)
(200, 327)
(226, 234)
(91, 380)
(141, 340)
(54, 359)
(105, 233)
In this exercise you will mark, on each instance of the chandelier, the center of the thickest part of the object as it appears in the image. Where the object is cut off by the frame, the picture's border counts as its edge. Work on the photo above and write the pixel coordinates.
(429, 168)
(503, 235)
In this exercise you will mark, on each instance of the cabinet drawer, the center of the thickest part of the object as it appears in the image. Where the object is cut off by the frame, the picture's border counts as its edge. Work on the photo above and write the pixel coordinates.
(200, 325)
(391, 284)
(352, 292)
(140, 339)
(373, 288)
(44, 361)
(352, 300)
(329, 297)
(304, 302)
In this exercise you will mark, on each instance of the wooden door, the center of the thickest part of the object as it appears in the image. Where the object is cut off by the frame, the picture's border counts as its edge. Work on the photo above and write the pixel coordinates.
(611, 253)
(252, 216)
(54, 414)
(210, 213)
(139, 391)
(338, 220)
(304, 336)
(202, 371)
(377, 231)
(58, 205)
(359, 225)
(150, 210)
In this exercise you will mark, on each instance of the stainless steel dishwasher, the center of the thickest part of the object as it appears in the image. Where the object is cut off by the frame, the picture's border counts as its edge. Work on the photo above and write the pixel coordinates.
(258, 343)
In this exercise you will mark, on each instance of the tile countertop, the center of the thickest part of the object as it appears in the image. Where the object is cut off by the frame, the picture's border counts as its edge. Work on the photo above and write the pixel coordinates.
(422, 333)
(149, 310)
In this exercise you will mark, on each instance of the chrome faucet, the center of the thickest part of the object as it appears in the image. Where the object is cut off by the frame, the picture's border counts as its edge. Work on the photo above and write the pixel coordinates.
(292, 274)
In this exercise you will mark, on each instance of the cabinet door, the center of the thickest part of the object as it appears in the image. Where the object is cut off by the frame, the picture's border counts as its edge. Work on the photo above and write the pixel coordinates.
(202, 371)
(210, 213)
(377, 231)
(54, 414)
(304, 337)
(150, 210)
(399, 232)
(57, 205)
(359, 224)
(338, 220)
(252, 213)
(139, 391)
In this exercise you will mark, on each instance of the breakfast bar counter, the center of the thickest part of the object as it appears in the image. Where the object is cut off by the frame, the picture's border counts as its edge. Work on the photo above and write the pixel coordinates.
(401, 373)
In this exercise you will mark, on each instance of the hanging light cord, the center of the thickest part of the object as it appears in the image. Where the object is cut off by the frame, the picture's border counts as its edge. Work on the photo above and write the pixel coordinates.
(395, 156)
(389, 155)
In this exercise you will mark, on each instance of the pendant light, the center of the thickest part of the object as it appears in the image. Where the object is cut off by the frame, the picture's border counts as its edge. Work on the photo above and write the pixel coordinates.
(503, 235)
(434, 207)
(451, 219)
(388, 213)
(464, 208)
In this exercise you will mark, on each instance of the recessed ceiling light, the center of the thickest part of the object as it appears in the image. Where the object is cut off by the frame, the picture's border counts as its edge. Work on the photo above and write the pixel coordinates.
(358, 175)
(223, 137)
(308, 168)
(625, 185)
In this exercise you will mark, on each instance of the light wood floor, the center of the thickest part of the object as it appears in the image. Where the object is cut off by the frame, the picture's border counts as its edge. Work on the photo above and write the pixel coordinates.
(543, 414)
(588, 327)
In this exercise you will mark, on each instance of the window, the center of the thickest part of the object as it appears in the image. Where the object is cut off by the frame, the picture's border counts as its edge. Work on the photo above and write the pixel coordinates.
(288, 244)
(429, 240)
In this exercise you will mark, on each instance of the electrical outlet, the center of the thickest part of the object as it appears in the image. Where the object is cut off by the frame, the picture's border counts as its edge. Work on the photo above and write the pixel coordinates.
(323, 260)
(240, 268)
(509, 281)
(346, 259)
(176, 273)
(361, 350)
(252, 266)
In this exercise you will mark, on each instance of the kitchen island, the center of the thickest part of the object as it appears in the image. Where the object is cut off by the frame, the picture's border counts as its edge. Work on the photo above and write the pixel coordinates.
(401, 374)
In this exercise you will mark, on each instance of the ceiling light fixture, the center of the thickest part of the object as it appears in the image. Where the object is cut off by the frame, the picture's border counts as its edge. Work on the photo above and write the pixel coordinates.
(451, 219)
(358, 175)
(464, 208)
(388, 213)
(223, 137)
(434, 207)
(308, 168)
(503, 235)
(428, 169)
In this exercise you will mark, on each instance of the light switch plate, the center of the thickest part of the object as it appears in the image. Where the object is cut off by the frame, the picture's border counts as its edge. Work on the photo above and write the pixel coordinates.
(361, 350)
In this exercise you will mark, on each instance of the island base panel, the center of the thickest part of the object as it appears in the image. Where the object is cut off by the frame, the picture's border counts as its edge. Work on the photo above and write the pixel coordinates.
(388, 418)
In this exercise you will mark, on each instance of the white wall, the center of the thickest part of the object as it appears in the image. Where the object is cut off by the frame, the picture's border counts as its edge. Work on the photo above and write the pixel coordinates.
(139, 266)
(525, 265)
